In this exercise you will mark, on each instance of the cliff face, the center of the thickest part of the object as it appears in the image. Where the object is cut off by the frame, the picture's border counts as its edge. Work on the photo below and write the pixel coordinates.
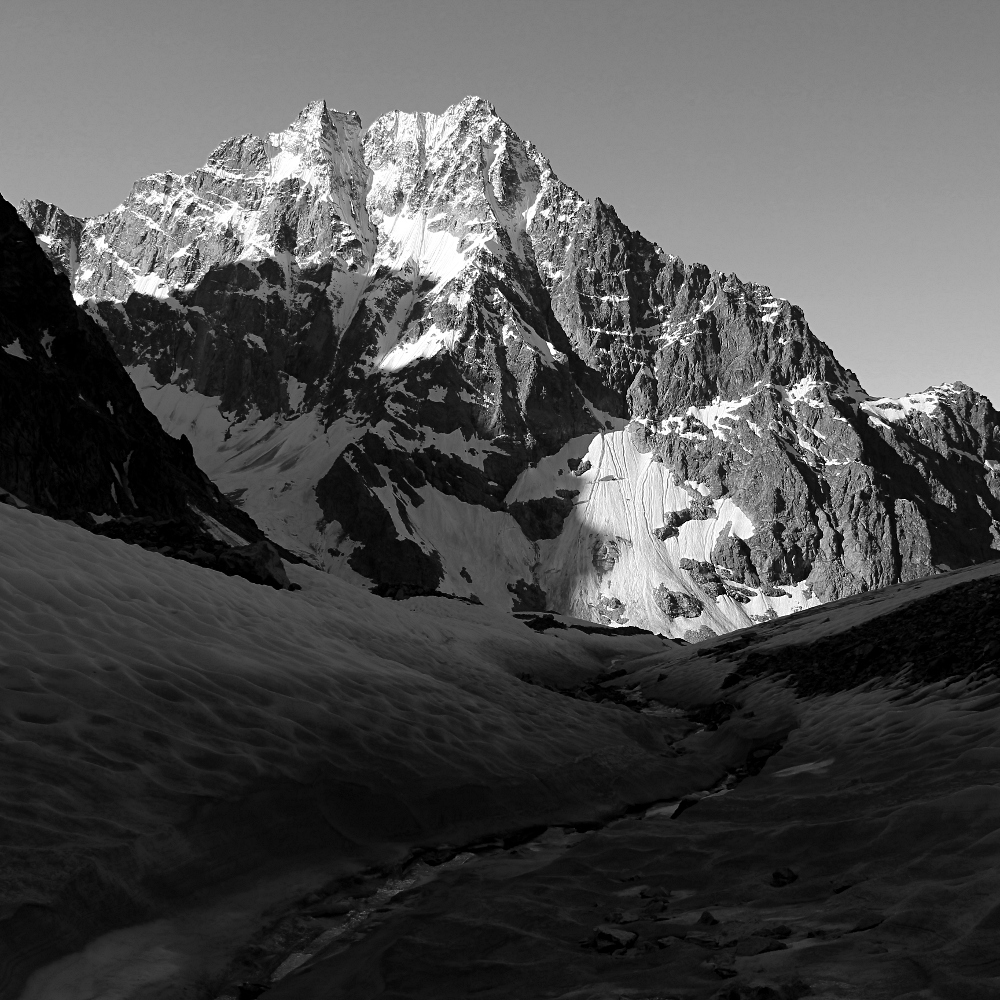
(417, 357)
(76, 441)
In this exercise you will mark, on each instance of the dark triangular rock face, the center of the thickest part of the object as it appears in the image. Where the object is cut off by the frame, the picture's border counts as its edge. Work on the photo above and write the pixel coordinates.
(76, 440)
(421, 360)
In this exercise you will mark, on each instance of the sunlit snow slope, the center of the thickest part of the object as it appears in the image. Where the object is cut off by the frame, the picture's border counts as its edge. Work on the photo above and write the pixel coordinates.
(389, 345)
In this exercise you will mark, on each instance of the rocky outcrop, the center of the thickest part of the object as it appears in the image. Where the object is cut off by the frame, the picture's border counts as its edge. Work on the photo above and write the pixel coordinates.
(544, 517)
(704, 576)
(676, 604)
(700, 510)
(422, 361)
(76, 441)
(57, 233)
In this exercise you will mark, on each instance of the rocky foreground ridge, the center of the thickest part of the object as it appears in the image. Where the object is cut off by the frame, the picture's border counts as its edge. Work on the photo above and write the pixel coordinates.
(77, 443)
(419, 359)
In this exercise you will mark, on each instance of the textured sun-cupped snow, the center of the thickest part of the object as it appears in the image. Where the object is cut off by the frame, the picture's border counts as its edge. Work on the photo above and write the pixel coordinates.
(92, 625)
(246, 719)
(233, 704)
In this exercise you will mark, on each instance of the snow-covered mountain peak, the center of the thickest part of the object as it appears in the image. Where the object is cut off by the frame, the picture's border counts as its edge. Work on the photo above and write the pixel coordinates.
(448, 187)
(319, 159)
(296, 198)
(321, 147)
(312, 119)
(419, 357)
(477, 105)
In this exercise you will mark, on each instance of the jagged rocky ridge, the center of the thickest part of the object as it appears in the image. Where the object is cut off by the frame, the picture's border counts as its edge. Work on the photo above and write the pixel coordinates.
(76, 441)
(417, 357)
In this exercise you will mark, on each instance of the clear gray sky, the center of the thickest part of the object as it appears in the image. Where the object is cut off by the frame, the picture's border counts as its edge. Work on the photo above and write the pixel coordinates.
(844, 153)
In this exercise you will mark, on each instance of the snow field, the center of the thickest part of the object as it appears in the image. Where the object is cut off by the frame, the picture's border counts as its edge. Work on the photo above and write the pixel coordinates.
(623, 497)
(15, 350)
(489, 545)
(889, 801)
(407, 236)
(273, 464)
(135, 687)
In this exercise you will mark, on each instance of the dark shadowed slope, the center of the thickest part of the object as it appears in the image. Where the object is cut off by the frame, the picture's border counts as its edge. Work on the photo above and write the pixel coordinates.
(165, 729)
(76, 440)
(75, 437)
(169, 732)
(848, 849)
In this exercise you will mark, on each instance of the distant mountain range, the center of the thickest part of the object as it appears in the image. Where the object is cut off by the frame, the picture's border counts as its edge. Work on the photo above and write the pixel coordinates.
(419, 360)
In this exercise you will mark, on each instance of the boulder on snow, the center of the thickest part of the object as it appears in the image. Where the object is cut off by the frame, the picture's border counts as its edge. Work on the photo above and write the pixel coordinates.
(783, 877)
(611, 937)
(259, 562)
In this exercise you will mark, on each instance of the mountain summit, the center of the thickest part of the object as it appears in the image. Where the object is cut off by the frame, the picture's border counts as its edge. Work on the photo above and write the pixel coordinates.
(423, 362)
